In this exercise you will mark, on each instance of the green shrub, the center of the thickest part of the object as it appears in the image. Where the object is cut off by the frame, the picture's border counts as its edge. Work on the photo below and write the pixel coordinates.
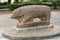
(16, 5)
(2, 4)
(33, 3)
(2, 7)
(56, 4)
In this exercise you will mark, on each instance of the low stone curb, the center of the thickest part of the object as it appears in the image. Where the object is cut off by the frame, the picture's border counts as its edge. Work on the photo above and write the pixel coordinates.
(49, 34)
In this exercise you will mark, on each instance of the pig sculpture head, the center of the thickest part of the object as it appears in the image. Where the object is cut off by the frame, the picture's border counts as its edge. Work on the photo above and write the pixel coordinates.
(17, 13)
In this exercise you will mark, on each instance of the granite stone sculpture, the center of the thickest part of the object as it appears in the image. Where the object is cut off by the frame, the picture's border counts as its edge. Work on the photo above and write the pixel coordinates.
(26, 14)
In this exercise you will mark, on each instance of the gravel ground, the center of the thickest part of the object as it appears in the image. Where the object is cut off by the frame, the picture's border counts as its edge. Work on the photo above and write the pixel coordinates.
(6, 22)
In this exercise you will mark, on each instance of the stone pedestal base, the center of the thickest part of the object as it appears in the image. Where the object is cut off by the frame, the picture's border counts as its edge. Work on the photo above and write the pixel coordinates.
(28, 34)
(32, 24)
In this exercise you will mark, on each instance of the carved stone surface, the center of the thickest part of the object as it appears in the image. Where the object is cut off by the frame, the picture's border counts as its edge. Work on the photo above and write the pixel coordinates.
(26, 14)
(33, 28)
(31, 24)
(33, 34)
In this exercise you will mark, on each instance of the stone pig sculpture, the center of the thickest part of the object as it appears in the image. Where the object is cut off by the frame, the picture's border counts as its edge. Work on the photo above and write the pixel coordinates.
(28, 13)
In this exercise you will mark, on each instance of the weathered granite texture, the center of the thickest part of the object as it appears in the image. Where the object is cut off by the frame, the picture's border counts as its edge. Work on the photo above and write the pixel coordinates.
(32, 24)
(26, 14)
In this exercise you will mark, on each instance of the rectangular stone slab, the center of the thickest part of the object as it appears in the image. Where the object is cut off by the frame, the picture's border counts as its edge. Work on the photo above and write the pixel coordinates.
(32, 24)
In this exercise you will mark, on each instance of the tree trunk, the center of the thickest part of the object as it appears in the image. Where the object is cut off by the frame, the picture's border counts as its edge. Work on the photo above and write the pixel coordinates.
(9, 1)
(16, 0)
(34, 0)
